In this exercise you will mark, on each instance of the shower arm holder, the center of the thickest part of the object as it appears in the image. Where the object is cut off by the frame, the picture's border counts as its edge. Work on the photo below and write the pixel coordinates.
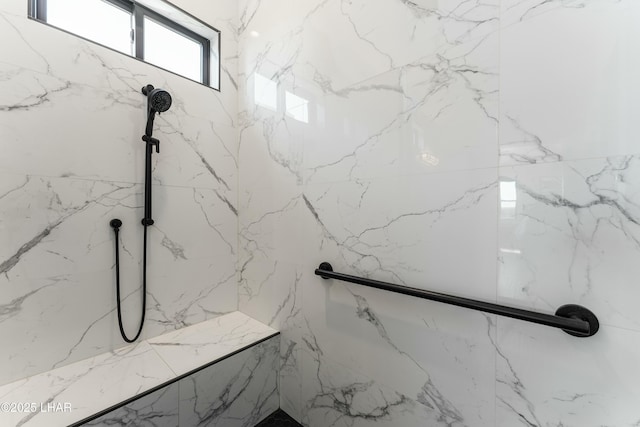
(153, 141)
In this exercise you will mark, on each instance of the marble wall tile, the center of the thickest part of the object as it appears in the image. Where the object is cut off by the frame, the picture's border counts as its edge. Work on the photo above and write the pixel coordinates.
(267, 221)
(194, 151)
(279, 158)
(568, 95)
(409, 230)
(337, 396)
(412, 164)
(50, 284)
(15, 7)
(404, 122)
(515, 11)
(290, 379)
(276, 299)
(397, 382)
(569, 234)
(158, 409)
(238, 391)
(72, 117)
(337, 182)
(386, 36)
(270, 288)
(397, 121)
(545, 377)
(58, 266)
(40, 146)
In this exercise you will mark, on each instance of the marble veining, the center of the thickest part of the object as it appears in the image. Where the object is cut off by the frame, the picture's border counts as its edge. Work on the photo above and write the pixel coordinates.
(72, 117)
(343, 396)
(529, 9)
(76, 384)
(158, 409)
(238, 391)
(207, 341)
(565, 395)
(68, 207)
(94, 384)
(475, 148)
(590, 210)
(549, 115)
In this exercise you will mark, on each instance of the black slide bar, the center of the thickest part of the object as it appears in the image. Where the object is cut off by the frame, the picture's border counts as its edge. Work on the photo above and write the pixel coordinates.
(573, 319)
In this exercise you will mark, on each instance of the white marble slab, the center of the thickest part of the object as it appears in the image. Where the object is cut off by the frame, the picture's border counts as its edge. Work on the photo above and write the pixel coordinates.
(412, 106)
(94, 384)
(15, 7)
(569, 233)
(158, 409)
(236, 392)
(546, 378)
(56, 265)
(409, 230)
(192, 347)
(239, 391)
(87, 386)
(567, 95)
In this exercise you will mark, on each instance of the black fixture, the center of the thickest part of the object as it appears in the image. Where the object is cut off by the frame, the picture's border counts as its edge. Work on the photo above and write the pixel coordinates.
(572, 319)
(158, 101)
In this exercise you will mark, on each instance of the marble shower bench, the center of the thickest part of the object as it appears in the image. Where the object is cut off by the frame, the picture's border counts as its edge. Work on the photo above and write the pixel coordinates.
(222, 371)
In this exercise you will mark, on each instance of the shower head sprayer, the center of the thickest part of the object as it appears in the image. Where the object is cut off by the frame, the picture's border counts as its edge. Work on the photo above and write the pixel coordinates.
(158, 101)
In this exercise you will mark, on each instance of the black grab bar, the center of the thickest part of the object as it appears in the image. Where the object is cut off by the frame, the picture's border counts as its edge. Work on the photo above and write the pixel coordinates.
(571, 318)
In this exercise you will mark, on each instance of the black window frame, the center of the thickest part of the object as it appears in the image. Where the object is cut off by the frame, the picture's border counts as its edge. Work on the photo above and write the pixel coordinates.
(38, 11)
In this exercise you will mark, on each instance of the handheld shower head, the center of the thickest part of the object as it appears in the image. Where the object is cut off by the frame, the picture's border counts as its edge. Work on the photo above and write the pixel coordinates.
(158, 101)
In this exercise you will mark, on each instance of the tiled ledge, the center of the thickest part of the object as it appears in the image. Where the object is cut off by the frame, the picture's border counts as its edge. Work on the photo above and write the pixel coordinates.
(72, 393)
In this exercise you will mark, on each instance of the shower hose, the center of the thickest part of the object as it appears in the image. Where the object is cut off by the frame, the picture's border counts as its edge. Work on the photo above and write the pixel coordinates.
(115, 224)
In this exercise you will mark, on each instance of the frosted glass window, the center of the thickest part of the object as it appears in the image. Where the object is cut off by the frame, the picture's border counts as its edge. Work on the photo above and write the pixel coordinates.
(95, 20)
(154, 31)
(173, 51)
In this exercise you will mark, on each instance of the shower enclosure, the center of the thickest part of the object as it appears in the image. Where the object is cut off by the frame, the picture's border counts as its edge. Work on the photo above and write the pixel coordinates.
(484, 150)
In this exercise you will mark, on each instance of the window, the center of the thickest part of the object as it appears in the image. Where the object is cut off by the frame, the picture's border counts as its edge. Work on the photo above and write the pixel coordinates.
(103, 23)
(184, 58)
(145, 29)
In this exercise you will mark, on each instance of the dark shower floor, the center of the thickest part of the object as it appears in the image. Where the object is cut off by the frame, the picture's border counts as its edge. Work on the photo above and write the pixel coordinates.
(279, 419)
